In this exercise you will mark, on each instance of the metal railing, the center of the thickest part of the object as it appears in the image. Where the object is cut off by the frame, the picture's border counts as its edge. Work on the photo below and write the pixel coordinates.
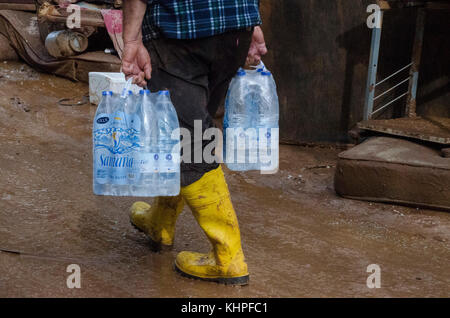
(412, 79)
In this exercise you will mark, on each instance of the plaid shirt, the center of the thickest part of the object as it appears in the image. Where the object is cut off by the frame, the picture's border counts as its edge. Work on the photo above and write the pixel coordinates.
(192, 19)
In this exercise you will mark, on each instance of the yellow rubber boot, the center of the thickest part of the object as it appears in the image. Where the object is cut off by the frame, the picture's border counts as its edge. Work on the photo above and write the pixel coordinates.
(158, 221)
(209, 200)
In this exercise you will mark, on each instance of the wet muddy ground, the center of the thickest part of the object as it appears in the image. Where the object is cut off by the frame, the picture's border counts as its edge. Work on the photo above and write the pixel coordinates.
(300, 239)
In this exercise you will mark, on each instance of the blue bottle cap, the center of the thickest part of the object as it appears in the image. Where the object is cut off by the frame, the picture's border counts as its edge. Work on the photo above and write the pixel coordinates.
(130, 92)
(106, 93)
(266, 73)
(141, 92)
(163, 93)
(241, 73)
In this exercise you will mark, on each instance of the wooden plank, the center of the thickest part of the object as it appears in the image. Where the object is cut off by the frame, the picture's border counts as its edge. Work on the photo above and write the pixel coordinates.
(88, 17)
(434, 129)
(84, 21)
(438, 5)
(388, 4)
(384, 5)
(18, 6)
(432, 5)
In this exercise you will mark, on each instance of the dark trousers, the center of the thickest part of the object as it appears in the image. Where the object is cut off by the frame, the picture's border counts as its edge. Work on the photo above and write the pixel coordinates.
(197, 74)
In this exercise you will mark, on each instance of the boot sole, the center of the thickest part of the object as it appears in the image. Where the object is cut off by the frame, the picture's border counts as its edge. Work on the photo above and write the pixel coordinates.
(154, 246)
(237, 281)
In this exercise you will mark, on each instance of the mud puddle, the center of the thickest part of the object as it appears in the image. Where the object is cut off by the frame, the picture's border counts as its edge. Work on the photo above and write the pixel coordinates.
(300, 239)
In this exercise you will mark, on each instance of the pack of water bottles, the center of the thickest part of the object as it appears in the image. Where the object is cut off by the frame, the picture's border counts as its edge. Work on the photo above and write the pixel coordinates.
(251, 131)
(136, 149)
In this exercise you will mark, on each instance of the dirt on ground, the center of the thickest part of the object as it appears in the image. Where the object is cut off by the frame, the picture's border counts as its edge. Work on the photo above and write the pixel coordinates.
(300, 239)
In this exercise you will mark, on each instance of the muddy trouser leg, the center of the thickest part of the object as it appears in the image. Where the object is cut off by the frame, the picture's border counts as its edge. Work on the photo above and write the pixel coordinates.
(197, 74)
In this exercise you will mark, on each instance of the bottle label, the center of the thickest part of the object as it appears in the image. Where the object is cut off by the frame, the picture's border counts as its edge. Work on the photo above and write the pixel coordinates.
(248, 147)
(148, 162)
(253, 149)
(268, 149)
(159, 162)
(170, 163)
(116, 144)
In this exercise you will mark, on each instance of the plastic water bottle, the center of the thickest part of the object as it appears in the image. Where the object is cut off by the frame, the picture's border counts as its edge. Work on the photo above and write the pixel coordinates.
(119, 186)
(131, 103)
(116, 144)
(136, 152)
(267, 123)
(251, 122)
(147, 184)
(167, 150)
(101, 173)
(236, 121)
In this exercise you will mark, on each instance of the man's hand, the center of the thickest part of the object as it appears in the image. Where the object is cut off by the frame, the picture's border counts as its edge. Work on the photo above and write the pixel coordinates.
(135, 58)
(136, 62)
(257, 48)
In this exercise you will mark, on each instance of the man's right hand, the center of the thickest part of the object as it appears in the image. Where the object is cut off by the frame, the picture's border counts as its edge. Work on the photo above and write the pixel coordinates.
(136, 62)
(257, 48)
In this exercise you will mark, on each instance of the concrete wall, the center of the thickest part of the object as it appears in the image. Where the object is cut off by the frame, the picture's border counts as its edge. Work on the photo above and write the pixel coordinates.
(319, 52)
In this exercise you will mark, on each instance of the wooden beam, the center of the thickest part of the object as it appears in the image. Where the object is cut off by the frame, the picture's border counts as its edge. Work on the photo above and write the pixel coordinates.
(18, 6)
(389, 5)
(84, 21)
(384, 5)
(50, 13)
(438, 5)
(431, 5)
